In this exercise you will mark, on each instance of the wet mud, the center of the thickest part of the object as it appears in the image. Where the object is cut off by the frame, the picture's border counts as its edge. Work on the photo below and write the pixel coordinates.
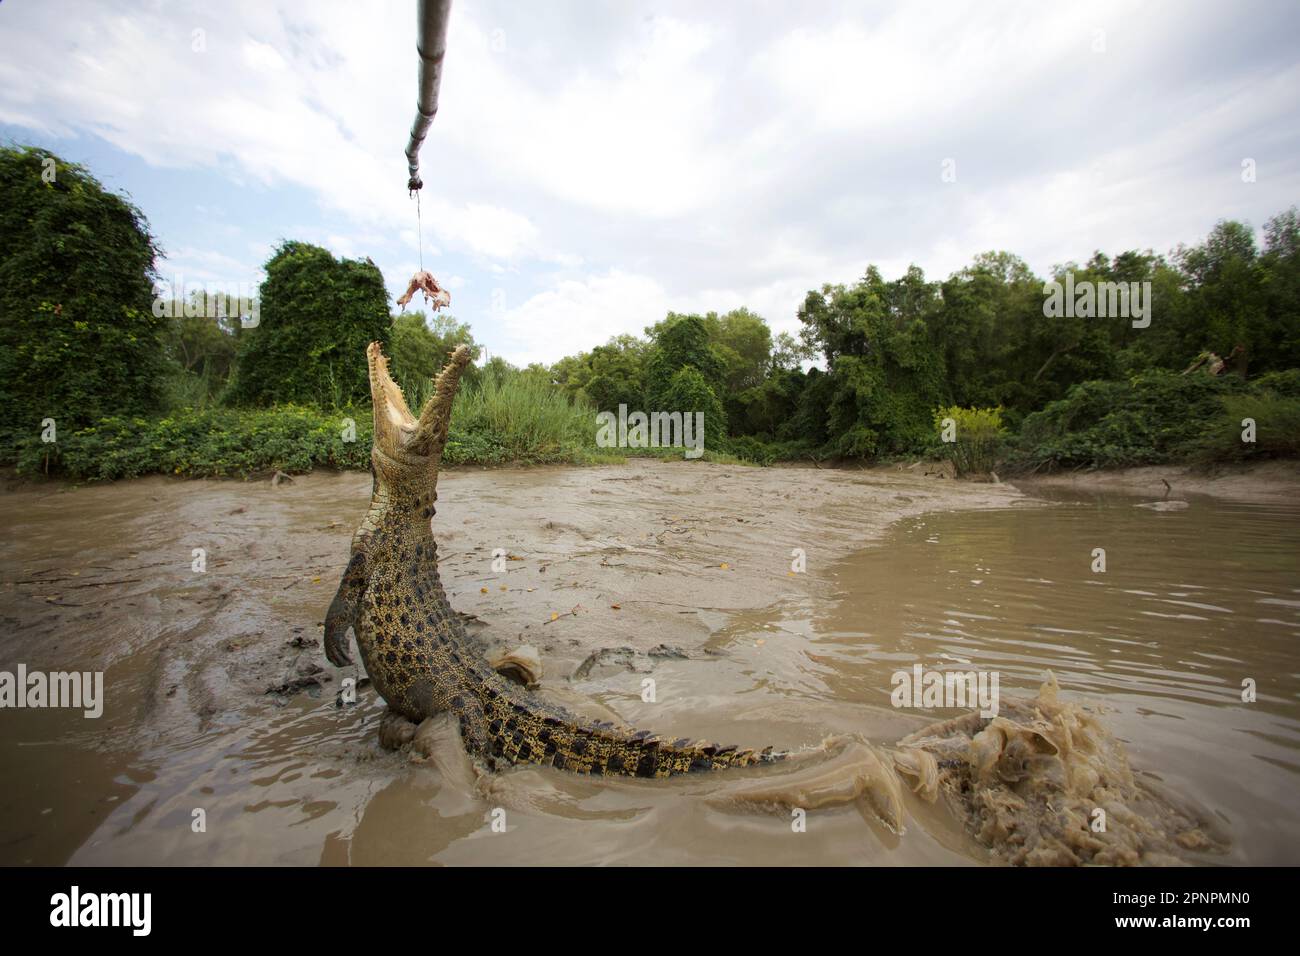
(766, 606)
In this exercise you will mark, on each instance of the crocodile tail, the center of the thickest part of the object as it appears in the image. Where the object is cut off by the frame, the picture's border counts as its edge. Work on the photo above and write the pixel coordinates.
(522, 728)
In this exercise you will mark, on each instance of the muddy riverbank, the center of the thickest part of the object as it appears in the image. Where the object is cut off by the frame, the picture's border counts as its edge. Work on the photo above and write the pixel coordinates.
(1262, 481)
(758, 600)
(606, 570)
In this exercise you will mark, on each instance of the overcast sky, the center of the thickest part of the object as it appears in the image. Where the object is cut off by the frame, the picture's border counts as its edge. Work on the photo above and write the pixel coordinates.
(595, 164)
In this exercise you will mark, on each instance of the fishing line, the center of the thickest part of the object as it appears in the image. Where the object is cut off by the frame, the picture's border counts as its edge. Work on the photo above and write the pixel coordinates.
(419, 228)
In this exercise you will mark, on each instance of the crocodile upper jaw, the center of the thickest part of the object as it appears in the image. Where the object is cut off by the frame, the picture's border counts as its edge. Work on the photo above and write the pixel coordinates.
(398, 433)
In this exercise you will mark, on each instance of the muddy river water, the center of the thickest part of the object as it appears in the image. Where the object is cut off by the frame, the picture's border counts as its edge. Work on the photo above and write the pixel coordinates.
(222, 741)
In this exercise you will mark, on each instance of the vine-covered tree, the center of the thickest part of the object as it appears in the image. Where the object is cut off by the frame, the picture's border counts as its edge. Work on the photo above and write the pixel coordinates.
(78, 336)
(318, 314)
(688, 392)
(677, 342)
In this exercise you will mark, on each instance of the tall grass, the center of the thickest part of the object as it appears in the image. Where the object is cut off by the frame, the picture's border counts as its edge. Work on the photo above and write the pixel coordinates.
(978, 438)
(524, 417)
(185, 389)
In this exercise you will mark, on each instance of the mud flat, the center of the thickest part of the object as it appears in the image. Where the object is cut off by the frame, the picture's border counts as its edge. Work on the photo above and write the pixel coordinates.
(633, 556)
(219, 699)
(606, 570)
(1266, 481)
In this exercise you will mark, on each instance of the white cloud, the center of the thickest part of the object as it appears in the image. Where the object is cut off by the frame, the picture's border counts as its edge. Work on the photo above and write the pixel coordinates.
(263, 57)
(487, 230)
(627, 133)
(320, 114)
(917, 63)
(575, 315)
(685, 156)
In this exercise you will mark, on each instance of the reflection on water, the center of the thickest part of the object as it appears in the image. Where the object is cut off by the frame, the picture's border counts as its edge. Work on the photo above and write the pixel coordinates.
(1191, 604)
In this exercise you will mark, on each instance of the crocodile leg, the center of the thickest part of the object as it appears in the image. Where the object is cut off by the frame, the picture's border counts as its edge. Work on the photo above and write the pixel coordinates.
(344, 610)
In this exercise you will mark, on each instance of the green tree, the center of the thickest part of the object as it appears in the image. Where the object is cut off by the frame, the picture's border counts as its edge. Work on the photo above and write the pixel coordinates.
(1227, 298)
(744, 342)
(1281, 264)
(608, 375)
(419, 350)
(677, 342)
(78, 334)
(318, 314)
(885, 372)
(200, 348)
(989, 314)
(789, 353)
(199, 343)
(688, 392)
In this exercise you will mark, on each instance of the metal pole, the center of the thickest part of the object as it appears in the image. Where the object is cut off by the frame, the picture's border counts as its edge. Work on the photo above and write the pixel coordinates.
(432, 47)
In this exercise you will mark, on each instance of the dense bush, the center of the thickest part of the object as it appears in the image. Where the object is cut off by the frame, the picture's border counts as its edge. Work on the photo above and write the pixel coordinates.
(318, 314)
(1276, 419)
(78, 337)
(507, 416)
(758, 452)
(977, 438)
(204, 443)
(1286, 384)
(1153, 418)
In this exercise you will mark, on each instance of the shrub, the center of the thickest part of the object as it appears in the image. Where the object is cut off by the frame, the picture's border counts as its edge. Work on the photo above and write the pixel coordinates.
(317, 315)
(200, 443)
(1154, 418)
(978, 438)
(749, 448)
(1276, 426)
(78, 337)
(1285, 383)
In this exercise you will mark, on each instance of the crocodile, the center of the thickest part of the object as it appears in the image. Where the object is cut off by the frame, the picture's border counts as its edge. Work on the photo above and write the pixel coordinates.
(415, 648)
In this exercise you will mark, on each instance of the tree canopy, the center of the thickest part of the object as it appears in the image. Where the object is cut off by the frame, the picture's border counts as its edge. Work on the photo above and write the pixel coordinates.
(78, 336)
(318, 314)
